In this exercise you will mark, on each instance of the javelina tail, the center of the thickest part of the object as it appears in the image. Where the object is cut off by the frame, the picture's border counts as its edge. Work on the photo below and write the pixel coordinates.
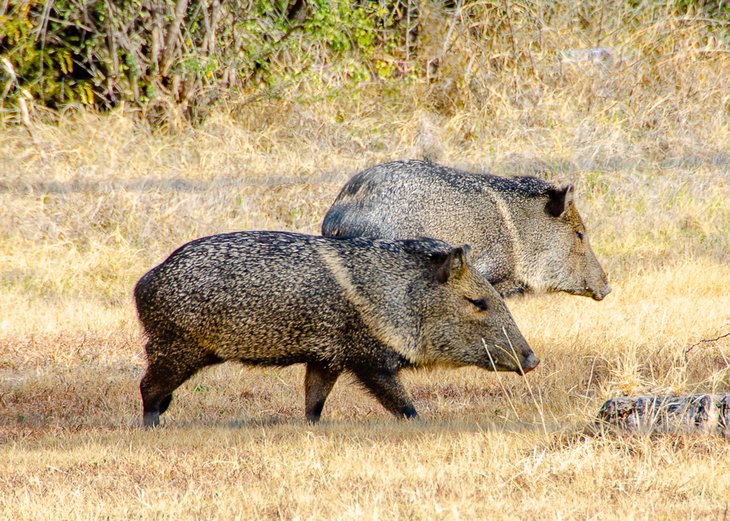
(142, 297)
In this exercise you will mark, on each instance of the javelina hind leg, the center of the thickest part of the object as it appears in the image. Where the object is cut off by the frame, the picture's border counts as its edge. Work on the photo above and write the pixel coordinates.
(318, 382)
(388, 390)
(165, 373)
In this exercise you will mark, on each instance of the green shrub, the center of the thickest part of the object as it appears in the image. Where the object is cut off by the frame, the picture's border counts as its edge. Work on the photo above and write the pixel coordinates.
(173, 59)
(155, 54)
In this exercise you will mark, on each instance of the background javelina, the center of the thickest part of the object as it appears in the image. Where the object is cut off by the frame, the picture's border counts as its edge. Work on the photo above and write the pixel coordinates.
(370, 307)
(526, 233)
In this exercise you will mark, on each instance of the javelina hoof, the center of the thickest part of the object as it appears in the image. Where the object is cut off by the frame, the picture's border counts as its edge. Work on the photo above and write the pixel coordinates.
(409, 413)
(151, 419)
(313, 418)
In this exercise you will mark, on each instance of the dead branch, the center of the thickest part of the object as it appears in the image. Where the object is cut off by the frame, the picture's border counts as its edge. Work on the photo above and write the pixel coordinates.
(168, 54)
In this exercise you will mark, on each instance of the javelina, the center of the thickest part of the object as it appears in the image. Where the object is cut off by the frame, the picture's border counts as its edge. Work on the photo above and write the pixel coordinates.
(526, 233)
(369, 307)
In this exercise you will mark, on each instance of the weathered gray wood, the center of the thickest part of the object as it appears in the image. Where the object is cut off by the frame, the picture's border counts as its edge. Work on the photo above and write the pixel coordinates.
(702, 413)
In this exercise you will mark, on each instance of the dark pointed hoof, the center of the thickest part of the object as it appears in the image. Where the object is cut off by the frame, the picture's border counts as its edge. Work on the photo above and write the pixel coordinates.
(408, 413)
(311, 419)
(151, 420)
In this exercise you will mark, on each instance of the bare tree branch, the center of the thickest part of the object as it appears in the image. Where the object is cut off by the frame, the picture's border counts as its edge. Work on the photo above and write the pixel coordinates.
(173, 32)
(704, 341)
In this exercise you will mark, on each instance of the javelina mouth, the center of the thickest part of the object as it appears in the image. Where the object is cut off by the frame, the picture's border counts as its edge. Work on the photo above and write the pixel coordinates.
(600, 295)
(588, 292)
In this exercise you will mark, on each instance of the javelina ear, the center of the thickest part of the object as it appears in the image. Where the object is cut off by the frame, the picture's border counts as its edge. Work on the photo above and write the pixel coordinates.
(558, 200)
(454, 265)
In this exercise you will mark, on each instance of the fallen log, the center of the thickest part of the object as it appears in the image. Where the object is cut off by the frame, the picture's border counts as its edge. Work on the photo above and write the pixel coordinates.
(702, 414)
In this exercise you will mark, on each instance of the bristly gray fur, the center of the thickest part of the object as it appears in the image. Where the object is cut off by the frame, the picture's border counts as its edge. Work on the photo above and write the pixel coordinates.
(526, 233)
(366, 306)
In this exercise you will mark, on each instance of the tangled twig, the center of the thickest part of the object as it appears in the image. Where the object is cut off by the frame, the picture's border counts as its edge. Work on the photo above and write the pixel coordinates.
(704, 341)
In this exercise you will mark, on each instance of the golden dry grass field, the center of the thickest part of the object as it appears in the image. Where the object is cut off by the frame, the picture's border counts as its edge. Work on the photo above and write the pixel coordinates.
(88, 203)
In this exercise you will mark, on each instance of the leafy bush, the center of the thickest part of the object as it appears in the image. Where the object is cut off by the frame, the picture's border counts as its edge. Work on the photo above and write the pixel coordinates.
(156, 54)
(173, 59)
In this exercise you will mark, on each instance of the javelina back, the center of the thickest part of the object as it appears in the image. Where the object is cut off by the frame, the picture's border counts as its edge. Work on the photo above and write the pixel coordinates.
(526, 233)
(368, 307)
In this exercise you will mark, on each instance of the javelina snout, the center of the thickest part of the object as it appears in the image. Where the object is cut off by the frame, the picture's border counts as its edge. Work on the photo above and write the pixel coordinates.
(514, 355)
(597, 288)
(520, 362)
(488, 334)
(601, 288)
(530, 362)
(599, 294)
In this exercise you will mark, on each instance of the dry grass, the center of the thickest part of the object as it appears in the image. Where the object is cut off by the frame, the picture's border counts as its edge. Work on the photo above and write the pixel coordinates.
(90, 202)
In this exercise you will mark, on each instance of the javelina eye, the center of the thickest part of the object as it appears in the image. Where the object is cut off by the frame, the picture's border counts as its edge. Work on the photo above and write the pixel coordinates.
(579, 235)
(480, 303)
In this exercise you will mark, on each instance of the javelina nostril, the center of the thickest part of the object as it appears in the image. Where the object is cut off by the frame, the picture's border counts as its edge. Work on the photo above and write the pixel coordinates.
(530, 363)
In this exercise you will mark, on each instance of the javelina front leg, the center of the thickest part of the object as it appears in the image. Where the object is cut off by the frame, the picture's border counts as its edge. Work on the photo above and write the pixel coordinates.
(388, 390)
(318, 382)
(156, 388)
(169, 366)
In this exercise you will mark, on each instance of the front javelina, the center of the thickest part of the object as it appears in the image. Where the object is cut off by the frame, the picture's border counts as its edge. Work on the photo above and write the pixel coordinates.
(369, 307)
